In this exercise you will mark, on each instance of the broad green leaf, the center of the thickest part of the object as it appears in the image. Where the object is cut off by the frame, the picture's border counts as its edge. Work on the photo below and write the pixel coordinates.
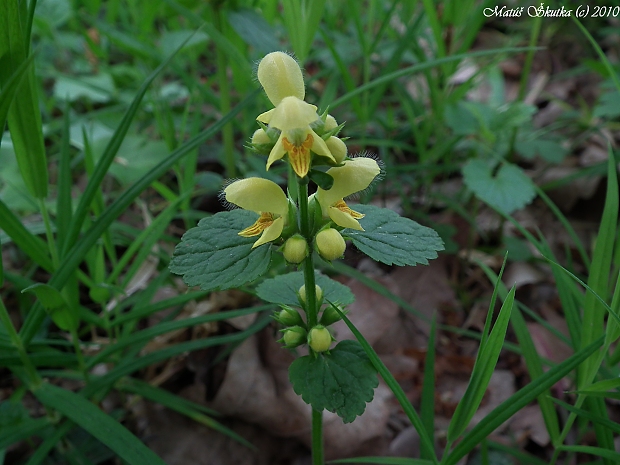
(546, 149)
(341, 381)
(55, 305)
(172, 40)
(392, 239)
(103, 427)
(253, 29)
(507, 190)
(213, 255)
(99, 88)
(482, 372)
(283, 289)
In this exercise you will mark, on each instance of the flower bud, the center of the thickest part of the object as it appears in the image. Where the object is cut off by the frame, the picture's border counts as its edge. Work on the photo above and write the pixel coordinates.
(319, 338)
(295, 249)
(330, 123)
(330, 316)
(294, 337)
(260, 137)
(337, 148)
(330, 244)
(302, 293)
(280, 76)
(289, 317)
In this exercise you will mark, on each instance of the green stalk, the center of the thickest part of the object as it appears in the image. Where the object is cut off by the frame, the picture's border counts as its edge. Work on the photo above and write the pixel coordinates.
(223, 84)
(49, 234)
(311, 311)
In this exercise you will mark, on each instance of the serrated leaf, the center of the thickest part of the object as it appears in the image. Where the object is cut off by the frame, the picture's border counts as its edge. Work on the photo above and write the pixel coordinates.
(508, 190)
(213, 255)
(283, 289)
(341, 381)
(392, 239)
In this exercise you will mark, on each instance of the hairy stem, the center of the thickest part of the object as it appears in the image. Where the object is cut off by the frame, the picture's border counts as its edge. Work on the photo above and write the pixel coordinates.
(311, 311)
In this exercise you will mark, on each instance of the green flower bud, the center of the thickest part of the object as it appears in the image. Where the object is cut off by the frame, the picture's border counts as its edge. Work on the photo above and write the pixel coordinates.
(330, 316)
(302, 293)
(295, 249)
(337, 148)
(294, 337)
(330, 244)
(260, 137)
(289, 317)
(319, 338)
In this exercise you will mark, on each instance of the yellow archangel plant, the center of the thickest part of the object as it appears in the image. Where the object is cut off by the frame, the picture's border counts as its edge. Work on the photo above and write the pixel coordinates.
(237, 247)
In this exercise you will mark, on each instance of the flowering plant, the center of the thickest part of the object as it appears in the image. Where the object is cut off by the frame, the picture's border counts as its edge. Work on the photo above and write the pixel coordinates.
(235, 247)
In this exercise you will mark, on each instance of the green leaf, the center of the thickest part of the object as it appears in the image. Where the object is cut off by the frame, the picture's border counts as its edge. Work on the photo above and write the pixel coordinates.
(341, 381)
(214, 256)
(103, 427)
(320, 178)
(482, 372)
(508, 190)
(547, 149)
(253, 29)
(392, 239)
(283, 289)
(55, 305)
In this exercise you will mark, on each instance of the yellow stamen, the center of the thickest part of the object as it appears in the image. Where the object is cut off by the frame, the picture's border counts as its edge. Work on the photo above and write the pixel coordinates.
(343, 207)
(299, 155)
(263, 222)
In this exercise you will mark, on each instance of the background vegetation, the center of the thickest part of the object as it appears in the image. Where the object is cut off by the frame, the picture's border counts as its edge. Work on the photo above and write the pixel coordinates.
(124, 120)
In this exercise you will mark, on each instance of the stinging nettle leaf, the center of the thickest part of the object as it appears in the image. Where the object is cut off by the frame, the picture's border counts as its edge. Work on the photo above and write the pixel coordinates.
(283, 289)
(341, 381)
(214, 256)
(392, 239)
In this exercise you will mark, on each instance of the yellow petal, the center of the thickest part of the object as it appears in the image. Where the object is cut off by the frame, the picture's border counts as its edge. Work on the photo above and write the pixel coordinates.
(257, 195)
(281, 77)
(343, 219)
(266, 117)
(263, 222)
(355, 175)
(299, 154)
(320, 147)
(271, 233)
(292, 113)
(277, 152)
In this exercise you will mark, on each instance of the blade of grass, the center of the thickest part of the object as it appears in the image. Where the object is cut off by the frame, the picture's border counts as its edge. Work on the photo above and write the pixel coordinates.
(482, 372)
(384, 461)
(103, 427)
(420, 67)
(183, 406)
(108, 155)
(427, 400)
(24, 116)
(531, 357)
(518, 401)
(398, 392)
(72, 260)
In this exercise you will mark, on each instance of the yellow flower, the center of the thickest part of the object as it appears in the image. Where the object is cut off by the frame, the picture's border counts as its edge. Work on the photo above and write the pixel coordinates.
(293, 117)
(265, 198)
(355, 175)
